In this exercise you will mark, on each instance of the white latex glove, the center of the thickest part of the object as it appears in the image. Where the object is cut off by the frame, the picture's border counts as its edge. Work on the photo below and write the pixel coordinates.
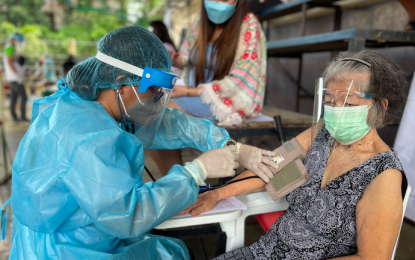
(219, 163)
(253, 159)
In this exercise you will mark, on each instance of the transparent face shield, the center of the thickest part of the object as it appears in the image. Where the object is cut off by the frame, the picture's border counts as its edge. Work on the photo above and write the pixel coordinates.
(150, 114)
(343, 108)
(143, 118)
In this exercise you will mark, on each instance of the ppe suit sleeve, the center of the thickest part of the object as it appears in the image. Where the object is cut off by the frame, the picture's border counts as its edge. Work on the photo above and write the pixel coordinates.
(105, 178)
(178, 130)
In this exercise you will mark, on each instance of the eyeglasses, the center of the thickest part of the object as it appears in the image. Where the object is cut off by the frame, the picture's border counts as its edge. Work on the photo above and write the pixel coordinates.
(159, 94)
(344, 97)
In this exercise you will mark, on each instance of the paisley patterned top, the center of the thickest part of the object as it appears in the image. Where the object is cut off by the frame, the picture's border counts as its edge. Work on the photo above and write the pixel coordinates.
(319, 223)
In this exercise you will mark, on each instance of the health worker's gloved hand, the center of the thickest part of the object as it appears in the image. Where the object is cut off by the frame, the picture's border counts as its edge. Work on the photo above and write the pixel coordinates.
(253, 159)
(219, 163)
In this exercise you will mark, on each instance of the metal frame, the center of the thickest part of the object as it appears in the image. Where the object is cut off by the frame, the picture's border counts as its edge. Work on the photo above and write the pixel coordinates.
(303, 6)
(351, 40)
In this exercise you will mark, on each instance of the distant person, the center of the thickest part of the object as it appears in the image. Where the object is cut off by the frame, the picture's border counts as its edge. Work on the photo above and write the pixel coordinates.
(37, 76)
(161, 31)
(15, 76)
(68, 65)
(409, 6)
(49, 69)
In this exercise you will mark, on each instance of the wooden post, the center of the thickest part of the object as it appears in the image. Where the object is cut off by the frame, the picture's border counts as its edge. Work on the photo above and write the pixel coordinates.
(72, 47)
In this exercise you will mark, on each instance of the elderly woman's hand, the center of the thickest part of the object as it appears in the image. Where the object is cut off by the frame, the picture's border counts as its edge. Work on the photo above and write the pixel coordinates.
(205, 202)
(179, 91)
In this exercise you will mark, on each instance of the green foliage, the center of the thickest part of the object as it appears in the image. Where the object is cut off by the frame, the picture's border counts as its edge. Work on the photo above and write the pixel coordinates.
(21, 12)
(84, 24)
(33, 36)
(6, 29)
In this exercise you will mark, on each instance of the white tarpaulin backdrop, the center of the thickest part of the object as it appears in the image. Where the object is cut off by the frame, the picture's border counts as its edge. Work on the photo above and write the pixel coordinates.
(405, 147)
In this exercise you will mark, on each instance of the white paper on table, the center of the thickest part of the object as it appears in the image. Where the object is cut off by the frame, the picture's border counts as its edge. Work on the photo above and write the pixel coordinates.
(180, 82)
(260, 118)
(228, 204)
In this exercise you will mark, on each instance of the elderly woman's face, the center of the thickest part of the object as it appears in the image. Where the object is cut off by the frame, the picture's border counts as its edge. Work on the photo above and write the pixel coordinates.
(348, 91)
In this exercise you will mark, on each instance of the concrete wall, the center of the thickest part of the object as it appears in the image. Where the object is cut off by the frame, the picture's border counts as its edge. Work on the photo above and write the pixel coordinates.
(281, 92)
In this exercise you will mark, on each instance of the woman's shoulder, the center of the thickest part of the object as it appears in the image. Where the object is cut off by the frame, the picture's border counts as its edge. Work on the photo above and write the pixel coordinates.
(77, 117)
(251, 21)
(251, 33)
(391, 182)
(194, 25)
(386, 161)
(250, 17)
(388, 171)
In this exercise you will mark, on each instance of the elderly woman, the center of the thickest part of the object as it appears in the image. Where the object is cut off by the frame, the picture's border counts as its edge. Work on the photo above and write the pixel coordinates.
(351, 205)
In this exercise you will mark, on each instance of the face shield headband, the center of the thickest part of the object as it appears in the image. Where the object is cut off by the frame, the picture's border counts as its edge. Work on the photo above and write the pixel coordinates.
(149, 76)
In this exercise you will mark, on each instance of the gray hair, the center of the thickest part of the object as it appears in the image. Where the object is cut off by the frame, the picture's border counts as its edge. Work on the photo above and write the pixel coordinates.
(387, 81)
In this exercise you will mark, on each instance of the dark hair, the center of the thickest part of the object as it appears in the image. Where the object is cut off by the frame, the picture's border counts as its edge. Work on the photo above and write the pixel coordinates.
(160, 30)
(387, 81)
(224, 48)
(68, 64)
(70, 58)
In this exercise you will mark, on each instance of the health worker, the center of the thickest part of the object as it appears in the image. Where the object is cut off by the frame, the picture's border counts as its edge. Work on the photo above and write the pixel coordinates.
(78, 189)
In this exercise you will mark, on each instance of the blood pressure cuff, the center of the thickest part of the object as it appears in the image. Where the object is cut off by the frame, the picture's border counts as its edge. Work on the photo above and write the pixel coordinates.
(291, 173)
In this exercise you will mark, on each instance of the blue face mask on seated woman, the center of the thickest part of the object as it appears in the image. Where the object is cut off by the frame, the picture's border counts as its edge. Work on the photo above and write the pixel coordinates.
(219, 12)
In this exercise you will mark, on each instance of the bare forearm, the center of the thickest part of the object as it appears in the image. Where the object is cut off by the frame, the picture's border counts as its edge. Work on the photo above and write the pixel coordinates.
(242, 187)
(195, 92)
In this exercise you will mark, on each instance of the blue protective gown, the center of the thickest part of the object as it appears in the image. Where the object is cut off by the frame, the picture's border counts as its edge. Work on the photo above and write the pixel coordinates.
(77, 187)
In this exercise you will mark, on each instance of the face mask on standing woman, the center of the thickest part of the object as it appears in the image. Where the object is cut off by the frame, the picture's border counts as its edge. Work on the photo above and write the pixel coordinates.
(219, 12)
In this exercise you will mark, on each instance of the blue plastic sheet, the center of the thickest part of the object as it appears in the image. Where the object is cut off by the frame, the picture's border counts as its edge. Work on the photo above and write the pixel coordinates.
(4, 219)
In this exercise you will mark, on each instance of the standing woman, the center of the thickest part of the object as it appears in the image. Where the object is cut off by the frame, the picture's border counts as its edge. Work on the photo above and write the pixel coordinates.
(224, 62)
(224, 67)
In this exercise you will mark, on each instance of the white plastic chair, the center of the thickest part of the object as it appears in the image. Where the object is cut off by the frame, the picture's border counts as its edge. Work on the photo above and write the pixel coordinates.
(405, 203)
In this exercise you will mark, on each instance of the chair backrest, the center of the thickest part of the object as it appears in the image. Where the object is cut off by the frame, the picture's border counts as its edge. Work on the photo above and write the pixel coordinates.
(405, 203)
